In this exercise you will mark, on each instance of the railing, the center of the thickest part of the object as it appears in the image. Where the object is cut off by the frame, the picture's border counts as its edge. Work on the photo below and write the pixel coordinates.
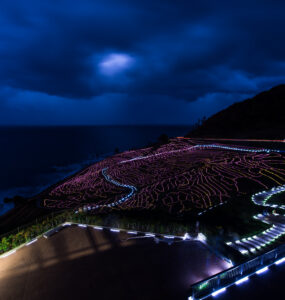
(212, 284)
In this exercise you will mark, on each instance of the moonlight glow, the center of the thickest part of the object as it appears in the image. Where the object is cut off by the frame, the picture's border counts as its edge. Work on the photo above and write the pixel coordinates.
(115, 63)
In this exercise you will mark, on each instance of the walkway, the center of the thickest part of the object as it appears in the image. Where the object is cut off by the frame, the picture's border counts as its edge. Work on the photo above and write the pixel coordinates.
(89, 263)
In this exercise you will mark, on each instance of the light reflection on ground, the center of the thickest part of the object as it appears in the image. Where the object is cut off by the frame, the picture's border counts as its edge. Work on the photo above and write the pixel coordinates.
(83, 263)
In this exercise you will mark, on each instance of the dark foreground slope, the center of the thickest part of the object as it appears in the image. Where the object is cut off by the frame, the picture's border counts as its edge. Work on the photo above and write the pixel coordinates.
(259, 117)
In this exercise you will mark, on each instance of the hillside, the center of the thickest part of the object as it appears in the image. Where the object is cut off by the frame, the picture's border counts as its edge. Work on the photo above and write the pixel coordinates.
(181, 177)
(259, 117)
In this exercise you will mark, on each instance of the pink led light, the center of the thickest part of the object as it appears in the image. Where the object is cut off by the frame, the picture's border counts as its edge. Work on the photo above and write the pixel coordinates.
(177, 177)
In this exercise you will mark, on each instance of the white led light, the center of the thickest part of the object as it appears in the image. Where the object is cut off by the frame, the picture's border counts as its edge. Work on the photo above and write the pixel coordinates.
(280, 261)
(150, 234)
(115, 230)
(216, 293)
(241, 280)
(169, 236)
(98, 228)
(32, 241)
(262, 270)
(8, 253)
(201, 237)
(186, 236)
(82, 225)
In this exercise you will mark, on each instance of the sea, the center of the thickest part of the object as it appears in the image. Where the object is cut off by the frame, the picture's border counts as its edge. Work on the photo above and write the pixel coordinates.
(32, 158)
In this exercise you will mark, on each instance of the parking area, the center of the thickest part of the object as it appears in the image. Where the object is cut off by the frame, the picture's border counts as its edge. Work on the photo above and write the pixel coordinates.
(87, 263)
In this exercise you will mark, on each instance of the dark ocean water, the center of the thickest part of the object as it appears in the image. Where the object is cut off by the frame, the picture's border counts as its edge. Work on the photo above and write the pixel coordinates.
(32, 158)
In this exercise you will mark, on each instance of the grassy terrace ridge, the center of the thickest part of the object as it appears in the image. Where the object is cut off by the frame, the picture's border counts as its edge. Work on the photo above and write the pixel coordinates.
(182, 177)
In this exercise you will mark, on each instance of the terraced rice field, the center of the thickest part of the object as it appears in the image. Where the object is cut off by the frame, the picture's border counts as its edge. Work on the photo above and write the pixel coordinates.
(183, 176)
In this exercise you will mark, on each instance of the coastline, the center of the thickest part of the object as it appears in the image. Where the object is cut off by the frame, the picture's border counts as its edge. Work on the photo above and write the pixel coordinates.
(49, 154)
(27, 210)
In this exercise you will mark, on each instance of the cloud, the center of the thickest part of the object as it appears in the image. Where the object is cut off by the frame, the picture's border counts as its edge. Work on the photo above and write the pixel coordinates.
(115, 63)
(34, 108)
(139, 49)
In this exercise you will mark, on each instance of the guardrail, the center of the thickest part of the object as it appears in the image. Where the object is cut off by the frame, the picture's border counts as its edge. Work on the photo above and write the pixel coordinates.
(237, 274)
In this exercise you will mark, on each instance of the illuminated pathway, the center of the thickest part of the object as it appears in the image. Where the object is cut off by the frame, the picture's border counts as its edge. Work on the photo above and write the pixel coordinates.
(265, 238)
(202, 146)
(234, 140)
(262, 197)
(123, 199)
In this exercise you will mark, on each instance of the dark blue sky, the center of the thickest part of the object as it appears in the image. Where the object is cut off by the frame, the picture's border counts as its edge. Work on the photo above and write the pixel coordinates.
(133, 61)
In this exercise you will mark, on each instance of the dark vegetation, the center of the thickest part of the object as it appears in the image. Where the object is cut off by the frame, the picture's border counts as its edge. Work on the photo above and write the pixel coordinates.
(235, 218)
(231, 220)
(23, 213)
(30, 231)
(161, 140)
(17, 200)
(278, 199)
(259, 117)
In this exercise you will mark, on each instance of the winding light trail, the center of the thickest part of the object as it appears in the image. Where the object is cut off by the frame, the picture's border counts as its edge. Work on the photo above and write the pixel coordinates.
(237, 140)
(201, 146)
(268, 236)
(123, 199)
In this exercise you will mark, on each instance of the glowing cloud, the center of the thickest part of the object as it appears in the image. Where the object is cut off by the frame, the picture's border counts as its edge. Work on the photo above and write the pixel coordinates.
(115, 63)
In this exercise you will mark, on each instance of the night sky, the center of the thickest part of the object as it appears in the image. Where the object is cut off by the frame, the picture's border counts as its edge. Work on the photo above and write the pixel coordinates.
(133, 61)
